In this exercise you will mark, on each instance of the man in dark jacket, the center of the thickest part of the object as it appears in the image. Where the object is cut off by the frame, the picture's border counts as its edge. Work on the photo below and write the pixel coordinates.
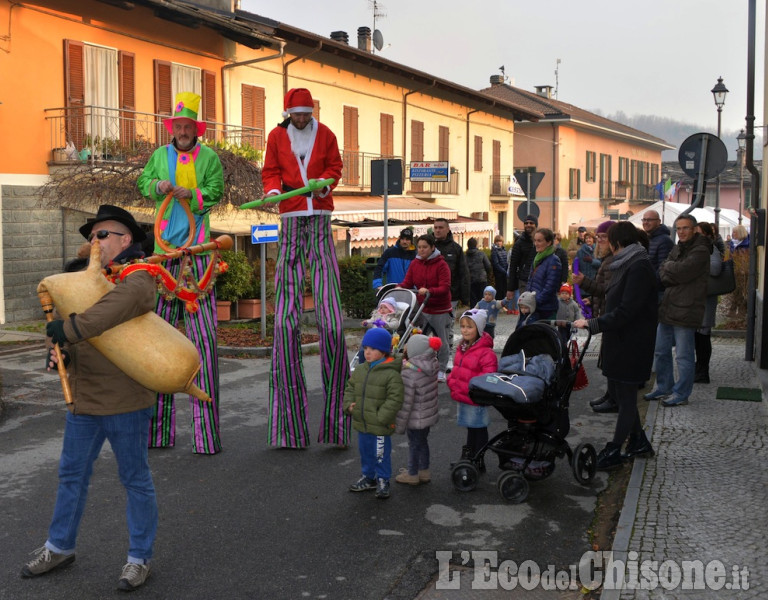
(395, 261)
(457, 263)
(684, 276)
(660, 242)
(107, 405)
(521, 258)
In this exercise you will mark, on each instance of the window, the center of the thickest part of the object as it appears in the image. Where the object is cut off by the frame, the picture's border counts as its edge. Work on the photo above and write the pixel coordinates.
(623, 169)
(101, 78)
(605, 176)
(496, 187)
(574, 183)
(316, 110)
(478, 153)
(591, 166)
(387, 125)
(253, 114)
(417, 150)
(444, 136)
(351, 147)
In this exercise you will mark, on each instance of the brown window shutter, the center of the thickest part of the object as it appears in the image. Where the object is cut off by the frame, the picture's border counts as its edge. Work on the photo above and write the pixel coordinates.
(443, 153)
(478, 153)
(126, 65)
(209, 96)
(316, 111)
(417, 150)
(496, 186)
(253, 114)
(163, 90)
(351, 159)
(163, 98)
(387, 125)
(74, 91)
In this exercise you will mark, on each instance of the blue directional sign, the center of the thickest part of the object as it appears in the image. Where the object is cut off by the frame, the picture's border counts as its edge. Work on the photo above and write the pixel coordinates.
(262, 234)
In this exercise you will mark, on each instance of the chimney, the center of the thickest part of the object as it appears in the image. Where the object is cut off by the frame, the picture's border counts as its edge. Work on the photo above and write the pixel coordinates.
(340, 36)
(364, 38)
(545, 91)
(497, 79)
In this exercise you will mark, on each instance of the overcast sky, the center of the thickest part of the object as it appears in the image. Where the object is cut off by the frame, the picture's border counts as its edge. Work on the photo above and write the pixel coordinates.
(659, 57)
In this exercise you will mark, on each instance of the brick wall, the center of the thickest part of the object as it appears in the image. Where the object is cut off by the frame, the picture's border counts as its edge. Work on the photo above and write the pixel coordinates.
(36, 243)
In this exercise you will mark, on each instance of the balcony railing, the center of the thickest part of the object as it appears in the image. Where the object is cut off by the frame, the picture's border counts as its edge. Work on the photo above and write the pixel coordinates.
(620, 191)
(356, 174)
(450, 187)
(100, 133)
(499, 185)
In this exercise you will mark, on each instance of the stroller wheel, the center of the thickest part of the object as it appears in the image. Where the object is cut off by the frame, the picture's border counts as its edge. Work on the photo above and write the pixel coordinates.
(513, 487)
(584, 463)
(465, 476)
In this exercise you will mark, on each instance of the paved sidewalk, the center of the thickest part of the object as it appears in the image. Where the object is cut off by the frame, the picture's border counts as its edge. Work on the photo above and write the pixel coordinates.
(704, 496)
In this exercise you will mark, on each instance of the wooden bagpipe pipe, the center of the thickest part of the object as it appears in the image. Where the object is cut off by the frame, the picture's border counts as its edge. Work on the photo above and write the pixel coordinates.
(167, 362)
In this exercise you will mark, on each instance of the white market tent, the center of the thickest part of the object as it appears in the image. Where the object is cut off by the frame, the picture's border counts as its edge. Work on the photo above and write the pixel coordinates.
(669, 211)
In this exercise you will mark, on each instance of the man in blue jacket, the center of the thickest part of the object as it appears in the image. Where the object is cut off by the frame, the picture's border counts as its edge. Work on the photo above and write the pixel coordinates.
(395, 261)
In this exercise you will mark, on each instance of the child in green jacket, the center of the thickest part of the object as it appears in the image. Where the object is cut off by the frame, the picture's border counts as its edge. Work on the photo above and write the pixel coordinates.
(373, 395)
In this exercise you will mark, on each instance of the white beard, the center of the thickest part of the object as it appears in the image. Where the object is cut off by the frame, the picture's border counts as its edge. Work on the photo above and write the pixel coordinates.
(302, 140)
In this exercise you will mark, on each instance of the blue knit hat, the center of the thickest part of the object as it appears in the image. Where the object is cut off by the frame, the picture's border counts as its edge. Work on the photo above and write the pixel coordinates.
(378, 338)
(489, 288)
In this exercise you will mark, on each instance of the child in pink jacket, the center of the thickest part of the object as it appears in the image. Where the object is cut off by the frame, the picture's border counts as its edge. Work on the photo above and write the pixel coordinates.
(474, 356)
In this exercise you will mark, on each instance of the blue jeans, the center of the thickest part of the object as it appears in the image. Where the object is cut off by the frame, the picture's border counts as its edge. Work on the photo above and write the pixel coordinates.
(418, 450)
(683, 340)
(375, 455)
(84, 435)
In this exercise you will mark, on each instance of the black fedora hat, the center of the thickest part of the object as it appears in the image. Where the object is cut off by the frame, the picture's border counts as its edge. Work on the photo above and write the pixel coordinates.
(107, 212)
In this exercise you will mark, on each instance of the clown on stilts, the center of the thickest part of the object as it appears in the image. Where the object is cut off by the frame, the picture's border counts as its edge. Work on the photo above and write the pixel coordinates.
(186, 177)
(299, 149)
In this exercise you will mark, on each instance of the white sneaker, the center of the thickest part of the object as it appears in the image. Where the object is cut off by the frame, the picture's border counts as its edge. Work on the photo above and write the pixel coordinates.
(449, 366)
(133, 576)
(441, 376)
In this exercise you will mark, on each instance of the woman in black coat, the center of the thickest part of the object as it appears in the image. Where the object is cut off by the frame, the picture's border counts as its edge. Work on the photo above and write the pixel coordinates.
(628, 325)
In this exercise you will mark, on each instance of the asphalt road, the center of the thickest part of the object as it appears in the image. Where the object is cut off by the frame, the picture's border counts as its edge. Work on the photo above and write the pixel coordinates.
(256, 522)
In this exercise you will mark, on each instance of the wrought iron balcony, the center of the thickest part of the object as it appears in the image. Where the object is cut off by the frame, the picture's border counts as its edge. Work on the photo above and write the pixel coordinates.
(615, 192)
(95, 133)
(500, 185)
(356, 175)
(429, 188)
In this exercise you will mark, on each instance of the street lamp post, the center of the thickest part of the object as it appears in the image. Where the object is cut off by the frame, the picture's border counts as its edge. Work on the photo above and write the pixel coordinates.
(742, 141)
(719, 92)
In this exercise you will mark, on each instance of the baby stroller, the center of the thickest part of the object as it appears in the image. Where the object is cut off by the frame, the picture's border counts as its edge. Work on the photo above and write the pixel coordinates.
(534, 400)
(410, 318)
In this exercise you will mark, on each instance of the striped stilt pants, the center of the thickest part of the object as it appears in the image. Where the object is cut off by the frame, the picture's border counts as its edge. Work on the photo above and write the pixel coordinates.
(201, 330)
(307, 240)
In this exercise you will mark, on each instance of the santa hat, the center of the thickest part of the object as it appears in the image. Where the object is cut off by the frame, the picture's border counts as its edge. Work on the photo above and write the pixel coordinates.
(565, 288)
(421, 344)
(479, 316)
(187, 106)
(297, 100)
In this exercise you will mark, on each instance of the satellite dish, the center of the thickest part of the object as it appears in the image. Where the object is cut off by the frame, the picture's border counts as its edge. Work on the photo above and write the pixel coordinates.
(378, 40)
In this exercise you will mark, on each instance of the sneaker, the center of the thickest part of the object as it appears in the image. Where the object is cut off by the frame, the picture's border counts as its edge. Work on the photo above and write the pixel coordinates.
(424, 476)
(657, 395)
(675, 402)
(405, 477)
(441, 376)
(363, 485)
(46, 561)
(382, 488)
(133, 576)
(449, 366)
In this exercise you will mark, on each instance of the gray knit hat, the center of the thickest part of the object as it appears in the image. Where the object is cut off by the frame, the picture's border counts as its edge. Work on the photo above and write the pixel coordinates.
(419, 344)
(528, 299)
(479, 316)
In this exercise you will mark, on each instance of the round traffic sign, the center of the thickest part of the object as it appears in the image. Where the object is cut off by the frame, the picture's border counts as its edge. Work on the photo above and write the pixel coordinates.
(528, 208)
(690, 156)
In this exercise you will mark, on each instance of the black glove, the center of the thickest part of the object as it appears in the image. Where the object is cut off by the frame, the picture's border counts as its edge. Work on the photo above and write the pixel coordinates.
(55, 331)
(49, 364)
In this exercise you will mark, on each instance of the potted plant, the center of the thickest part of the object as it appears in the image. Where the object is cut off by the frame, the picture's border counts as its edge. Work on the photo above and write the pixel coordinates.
(233, 284)
(249, 306)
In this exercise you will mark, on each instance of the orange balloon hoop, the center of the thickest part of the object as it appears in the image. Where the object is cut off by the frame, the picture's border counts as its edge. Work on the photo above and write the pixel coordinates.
(158, 219)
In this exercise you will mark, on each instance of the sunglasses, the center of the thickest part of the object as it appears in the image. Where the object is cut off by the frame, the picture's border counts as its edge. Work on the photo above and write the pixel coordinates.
(103, 234)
